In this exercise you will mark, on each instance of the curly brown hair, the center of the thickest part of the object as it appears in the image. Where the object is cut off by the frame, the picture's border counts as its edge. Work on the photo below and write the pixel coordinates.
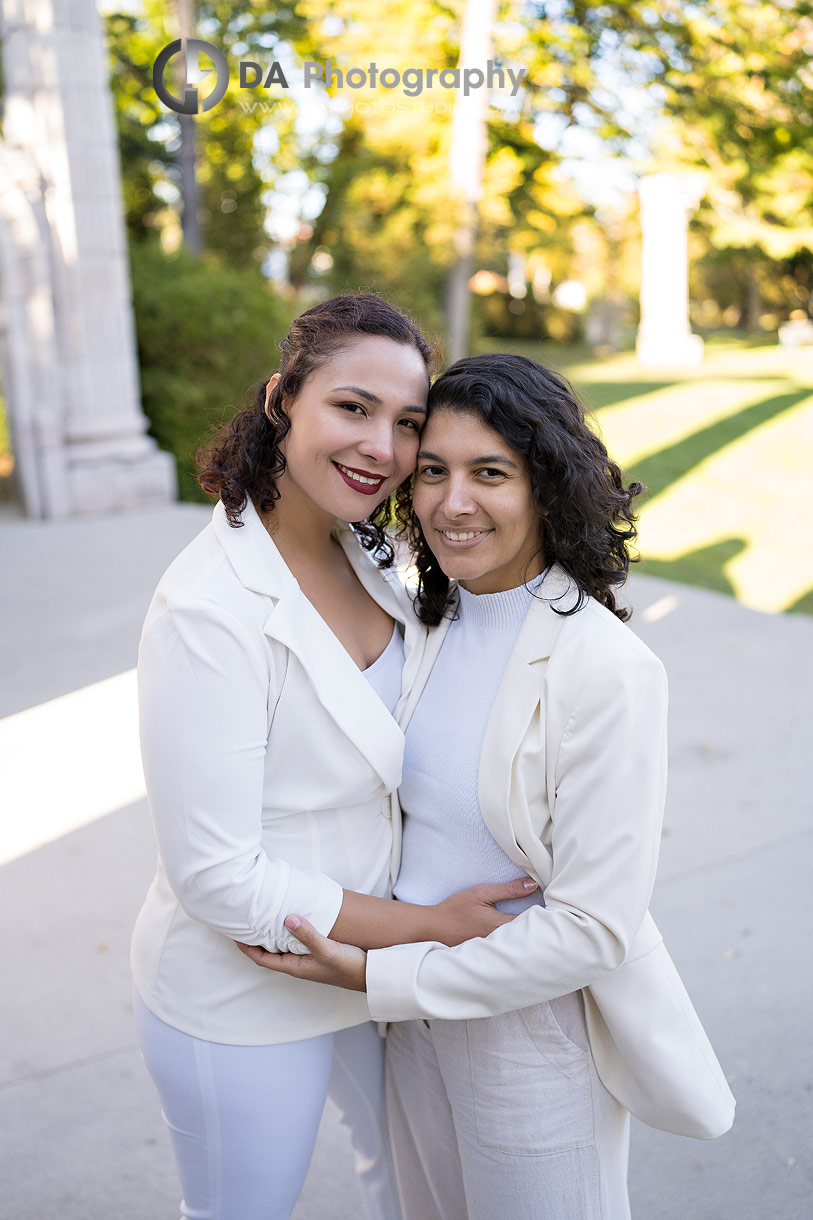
(245, 458)
(586, 517)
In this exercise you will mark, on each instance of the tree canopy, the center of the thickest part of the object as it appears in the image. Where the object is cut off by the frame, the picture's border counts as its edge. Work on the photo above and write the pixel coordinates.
(354, 183)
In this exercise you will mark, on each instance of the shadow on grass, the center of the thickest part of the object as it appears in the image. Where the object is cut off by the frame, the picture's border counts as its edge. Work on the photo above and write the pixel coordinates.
(702, 567)
(802, 605)
(599, 394)
(661, 469)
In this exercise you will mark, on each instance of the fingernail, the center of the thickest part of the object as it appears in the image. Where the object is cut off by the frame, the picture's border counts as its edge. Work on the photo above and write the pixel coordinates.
(293, 922)
(529, 885)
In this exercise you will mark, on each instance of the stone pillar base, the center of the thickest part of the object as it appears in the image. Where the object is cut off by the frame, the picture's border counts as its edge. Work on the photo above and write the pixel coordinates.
(669, 351)
(110, 483)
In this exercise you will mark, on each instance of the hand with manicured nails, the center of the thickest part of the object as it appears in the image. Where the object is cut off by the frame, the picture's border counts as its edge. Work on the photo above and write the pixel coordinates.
(473, 912)
(327, 961)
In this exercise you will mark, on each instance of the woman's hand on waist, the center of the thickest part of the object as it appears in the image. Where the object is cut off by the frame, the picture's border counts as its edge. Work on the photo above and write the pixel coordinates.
(473, 912)
(326, 961)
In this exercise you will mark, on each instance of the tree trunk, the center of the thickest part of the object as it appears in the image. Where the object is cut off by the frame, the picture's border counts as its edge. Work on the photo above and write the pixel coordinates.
(458, 293)
(186, 153)
(466, 164)
(753, 299)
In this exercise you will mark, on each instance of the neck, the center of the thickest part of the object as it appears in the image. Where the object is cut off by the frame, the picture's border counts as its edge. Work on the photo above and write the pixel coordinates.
(299, 528)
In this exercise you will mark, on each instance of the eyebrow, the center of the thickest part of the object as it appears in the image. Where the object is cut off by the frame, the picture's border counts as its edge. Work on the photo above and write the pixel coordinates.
(489, 459)
(374, 399)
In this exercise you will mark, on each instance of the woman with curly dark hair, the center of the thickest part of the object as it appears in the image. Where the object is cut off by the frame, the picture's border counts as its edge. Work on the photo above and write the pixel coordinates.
(584, 519)
(535, 744)
(270, 664)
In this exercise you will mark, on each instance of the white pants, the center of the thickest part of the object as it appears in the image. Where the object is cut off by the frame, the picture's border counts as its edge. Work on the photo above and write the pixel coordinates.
(505, 1117)
(243, 1119)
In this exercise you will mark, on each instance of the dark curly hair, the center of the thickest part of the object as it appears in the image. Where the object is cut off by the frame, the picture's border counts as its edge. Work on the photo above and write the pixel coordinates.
(585, 512)
(246, 459)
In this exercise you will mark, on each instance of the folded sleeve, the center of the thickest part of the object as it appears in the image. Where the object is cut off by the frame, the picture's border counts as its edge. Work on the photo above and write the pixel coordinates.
(606, 817)
(205, 687)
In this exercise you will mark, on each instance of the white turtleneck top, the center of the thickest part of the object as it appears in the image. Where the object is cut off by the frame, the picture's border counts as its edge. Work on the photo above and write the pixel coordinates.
(446, 844)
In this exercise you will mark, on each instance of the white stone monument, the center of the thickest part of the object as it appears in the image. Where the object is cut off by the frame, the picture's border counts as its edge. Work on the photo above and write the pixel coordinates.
(664, 335)
(70, 377)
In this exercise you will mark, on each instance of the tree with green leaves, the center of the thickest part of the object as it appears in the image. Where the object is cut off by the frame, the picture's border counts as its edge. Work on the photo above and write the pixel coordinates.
(233, 173)
(738, 97)
(392, 216)
(730, 87)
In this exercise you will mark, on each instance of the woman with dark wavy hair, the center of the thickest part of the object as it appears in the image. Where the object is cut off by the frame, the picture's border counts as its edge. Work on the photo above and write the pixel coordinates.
(270, 664)
(535, 744)
(584, 519)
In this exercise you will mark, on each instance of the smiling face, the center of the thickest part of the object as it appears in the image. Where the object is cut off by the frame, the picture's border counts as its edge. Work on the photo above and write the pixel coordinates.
(355, 428)
(474, 501)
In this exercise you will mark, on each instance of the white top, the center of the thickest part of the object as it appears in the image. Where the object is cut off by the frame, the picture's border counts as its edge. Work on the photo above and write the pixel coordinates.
(446, 844)
(384, 675)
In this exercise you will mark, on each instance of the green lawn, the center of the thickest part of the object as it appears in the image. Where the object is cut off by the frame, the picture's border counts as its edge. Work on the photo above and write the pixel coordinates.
(726, 452)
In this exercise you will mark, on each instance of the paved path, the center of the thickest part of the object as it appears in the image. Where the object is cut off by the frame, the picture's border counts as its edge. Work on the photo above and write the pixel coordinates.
(82, 1136)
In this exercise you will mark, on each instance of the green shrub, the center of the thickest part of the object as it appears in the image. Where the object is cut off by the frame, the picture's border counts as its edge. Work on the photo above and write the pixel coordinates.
(206, 333)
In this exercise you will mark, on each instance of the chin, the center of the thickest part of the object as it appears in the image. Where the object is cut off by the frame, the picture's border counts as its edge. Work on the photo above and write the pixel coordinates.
(360, 509)
(460, 573)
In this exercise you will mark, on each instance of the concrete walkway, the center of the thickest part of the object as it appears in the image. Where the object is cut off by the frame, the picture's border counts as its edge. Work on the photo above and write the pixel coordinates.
(82, 1134)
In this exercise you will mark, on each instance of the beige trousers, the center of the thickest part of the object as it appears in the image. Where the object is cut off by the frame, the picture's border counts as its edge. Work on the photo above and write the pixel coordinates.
(505, 1117)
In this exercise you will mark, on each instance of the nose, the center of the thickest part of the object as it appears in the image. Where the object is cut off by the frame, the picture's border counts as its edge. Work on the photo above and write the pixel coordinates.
(378, 441)
(457, 498)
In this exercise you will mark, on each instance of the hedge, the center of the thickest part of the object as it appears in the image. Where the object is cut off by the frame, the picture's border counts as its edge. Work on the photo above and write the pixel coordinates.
(206, 334)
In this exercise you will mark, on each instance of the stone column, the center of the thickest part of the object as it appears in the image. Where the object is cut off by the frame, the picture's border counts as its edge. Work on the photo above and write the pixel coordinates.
(31, 381)
(58, 114)
(664, 335)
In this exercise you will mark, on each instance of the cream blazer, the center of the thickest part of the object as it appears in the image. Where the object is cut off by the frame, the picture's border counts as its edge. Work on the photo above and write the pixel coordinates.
(572, 782)
(270, 764)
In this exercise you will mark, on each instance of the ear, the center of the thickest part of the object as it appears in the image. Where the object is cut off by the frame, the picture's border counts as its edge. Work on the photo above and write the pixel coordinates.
(269, 390)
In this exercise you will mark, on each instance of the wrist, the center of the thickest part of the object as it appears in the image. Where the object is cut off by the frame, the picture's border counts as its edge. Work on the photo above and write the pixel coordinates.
(437, 925)
(361, 982)
(421, 922)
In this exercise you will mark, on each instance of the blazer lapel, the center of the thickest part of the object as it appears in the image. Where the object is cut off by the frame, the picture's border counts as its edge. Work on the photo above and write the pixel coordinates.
(251, 552)
(418, 666)
(339, 684)
(418, 662)
(501, 786)
(387, 588)
(513, 710)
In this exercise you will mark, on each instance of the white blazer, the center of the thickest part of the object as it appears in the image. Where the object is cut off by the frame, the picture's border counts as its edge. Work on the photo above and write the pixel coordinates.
(270, 764)
(572, 784)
